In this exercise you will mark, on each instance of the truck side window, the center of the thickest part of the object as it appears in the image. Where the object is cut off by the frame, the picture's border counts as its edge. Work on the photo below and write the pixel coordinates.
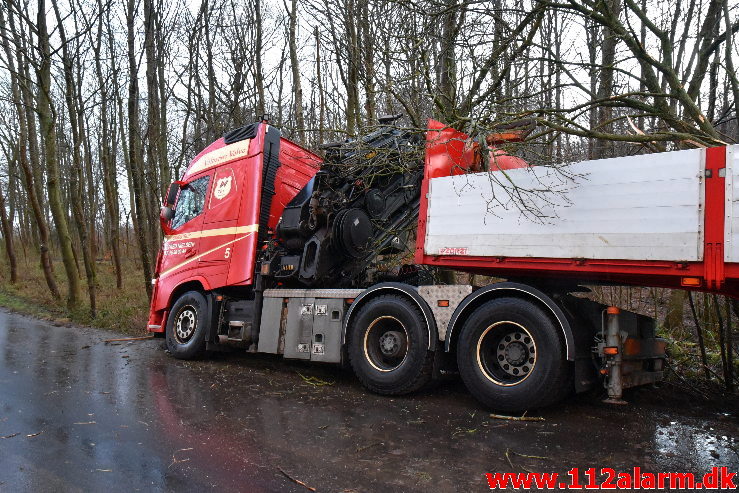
(190, 202)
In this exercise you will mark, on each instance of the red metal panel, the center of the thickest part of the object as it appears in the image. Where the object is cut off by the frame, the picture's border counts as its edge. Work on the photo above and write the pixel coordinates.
(715, 188)
(645, 273)
(419, 257)
(297, 167)
(243, 255)
(445, 156)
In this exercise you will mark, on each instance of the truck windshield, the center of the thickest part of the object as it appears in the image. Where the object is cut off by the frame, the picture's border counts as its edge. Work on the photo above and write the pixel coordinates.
(190, 202)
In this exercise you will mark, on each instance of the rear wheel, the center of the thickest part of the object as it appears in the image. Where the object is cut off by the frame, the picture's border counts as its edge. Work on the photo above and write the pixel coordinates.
(388, 346)
(511, 356)
(186, 326)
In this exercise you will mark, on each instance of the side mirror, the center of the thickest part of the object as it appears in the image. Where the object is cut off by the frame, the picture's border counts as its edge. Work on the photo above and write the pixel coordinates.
(172, 192)
(167, 213)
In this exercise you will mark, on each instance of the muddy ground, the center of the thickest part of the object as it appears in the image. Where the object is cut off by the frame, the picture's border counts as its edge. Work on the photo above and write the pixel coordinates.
(77, 414)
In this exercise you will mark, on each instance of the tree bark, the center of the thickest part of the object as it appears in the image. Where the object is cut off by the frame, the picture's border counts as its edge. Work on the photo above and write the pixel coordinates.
(259, 75)
(107, 163)
(447, 67)
(295, 67)
(731, 72)
(48, 134)
(135, 154)
(7, 230)
(76, 182)
(675, 310)
(604, 148)
(699, 335)
(321, 96)
(368, 63)
(26, 131)
(157, 169)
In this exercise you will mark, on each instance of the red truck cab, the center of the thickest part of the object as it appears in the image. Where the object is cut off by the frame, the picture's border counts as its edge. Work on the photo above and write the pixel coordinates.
(211, 237)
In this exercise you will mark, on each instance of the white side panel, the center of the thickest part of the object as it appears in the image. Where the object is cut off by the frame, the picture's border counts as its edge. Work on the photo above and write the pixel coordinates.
(731, 226)
(634, 208)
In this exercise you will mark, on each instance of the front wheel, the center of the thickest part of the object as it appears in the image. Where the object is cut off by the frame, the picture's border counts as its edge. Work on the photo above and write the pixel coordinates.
(186, 326)
(511, 356)
(388, 346)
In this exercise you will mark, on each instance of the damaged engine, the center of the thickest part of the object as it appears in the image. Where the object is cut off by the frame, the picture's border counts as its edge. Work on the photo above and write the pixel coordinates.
(363, 203)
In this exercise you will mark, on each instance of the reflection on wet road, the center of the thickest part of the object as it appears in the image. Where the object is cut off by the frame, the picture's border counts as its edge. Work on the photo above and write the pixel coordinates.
(80, 415)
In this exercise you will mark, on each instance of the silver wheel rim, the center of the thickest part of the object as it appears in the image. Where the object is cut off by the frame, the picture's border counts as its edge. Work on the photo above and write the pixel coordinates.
(386, 344)
(506, 353)
(185, 324)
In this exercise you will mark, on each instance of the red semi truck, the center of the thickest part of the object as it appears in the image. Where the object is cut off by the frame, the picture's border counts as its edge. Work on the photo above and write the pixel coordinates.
(270, 248)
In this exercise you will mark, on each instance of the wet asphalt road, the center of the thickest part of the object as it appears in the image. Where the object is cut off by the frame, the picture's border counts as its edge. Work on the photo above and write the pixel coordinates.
(77, 414)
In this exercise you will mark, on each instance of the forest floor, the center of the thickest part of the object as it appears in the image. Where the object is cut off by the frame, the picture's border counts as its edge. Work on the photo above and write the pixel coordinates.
(125, 310)
(82, 414)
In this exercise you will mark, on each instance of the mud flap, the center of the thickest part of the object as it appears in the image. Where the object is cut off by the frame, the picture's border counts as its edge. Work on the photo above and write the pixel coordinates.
(214, 318)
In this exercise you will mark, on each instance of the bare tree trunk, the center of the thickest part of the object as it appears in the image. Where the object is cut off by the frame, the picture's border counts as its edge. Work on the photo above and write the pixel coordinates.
(368, 63)
(705, 38)
(165, 176)
(699, 335)
(604, 148)
(447, 70)
(213, 127)
(321, 95)
(107, 163)
(729, 376)
(295, 67)
(28, 146)
(7, 230)
(158, 171)
(731, 72)
(353, 117)
(135, 154)
(259, 75)
(48, 134)
(675, 310)
(76, 185)
(722, 342)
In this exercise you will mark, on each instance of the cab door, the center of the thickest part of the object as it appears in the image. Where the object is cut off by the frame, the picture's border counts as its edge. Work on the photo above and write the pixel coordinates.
(220, 223)
(181, 248)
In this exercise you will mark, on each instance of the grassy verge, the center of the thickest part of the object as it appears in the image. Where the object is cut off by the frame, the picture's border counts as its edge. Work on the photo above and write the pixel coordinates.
(11, 300)
(125, 310)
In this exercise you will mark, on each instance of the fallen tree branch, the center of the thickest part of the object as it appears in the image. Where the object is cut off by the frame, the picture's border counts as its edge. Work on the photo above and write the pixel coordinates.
(508, 457)
(296, 481)
(517, 418)
(124, 339)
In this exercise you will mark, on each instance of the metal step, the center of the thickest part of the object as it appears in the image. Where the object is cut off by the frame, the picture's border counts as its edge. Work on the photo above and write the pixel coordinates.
(238, 331)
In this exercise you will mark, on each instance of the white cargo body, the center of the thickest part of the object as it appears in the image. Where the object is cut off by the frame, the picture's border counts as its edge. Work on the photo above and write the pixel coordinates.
(646, 207)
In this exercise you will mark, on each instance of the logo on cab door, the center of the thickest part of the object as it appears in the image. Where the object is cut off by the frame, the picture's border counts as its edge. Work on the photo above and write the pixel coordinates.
(223, 187)
(224, 184)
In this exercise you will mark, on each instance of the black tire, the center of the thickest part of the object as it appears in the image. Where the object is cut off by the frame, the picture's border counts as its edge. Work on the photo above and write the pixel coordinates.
(511, 356)
(186, 326)
(396, 324)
